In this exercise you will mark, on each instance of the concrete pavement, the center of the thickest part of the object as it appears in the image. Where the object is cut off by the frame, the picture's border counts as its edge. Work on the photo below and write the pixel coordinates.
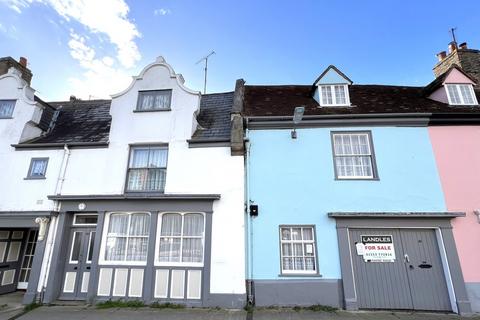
(92, 313)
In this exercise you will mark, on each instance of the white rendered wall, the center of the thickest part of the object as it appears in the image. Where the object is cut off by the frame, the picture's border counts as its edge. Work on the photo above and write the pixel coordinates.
(16, 193)
(189, 170)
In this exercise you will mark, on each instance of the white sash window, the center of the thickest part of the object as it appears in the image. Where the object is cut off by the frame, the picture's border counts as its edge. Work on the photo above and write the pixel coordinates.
(298, 253)
(147, 169)
(154, 100)
(353, 155)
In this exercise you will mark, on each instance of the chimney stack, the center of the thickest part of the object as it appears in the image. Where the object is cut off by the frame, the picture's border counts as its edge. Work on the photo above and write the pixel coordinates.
(452, 46)
(441, 55)
(460, 55)
(8, 62)
(23, 61)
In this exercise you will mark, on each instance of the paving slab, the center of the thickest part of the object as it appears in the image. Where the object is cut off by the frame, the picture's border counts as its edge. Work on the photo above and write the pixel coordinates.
(92, 313)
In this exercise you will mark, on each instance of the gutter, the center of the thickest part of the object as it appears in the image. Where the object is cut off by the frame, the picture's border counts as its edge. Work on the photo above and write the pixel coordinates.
(395, 119)
(59, 145)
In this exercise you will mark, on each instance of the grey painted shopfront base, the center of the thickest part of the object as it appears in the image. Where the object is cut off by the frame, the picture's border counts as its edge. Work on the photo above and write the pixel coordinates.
(473, 291)
(296, 292)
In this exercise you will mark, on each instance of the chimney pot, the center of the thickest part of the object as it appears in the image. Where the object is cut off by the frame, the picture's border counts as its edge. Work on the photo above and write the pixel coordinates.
(441, 55)
(23, 61)
(452, 46)
(73, 98)
(463, 45)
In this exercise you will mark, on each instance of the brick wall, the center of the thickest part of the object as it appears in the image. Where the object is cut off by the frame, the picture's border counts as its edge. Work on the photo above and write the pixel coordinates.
(467, 59)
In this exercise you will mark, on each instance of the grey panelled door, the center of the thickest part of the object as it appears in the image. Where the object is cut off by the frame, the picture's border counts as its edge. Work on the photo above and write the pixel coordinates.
(77, 265)
(425, 270)
(381, 285)
(414, 280)
(11, 248)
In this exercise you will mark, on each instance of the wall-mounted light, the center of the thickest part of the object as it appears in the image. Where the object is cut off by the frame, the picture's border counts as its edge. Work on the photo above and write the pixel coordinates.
(477, 213)
(297, 117)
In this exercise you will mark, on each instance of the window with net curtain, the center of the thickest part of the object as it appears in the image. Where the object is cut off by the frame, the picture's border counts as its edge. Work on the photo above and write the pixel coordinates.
(154, 100)
(353, 155)
(298, 249)
(6, 108)
(127, 237)
(38, 168)
(147, 169)
(181, 238)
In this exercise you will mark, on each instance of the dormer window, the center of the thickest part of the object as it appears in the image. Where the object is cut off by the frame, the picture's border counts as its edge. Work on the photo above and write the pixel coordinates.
(154, 100)
(461, 94)
(6, 108)
(331, 88)
(334, 95)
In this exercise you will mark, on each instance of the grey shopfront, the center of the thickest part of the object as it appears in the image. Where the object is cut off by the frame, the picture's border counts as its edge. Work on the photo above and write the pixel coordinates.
(152, 271)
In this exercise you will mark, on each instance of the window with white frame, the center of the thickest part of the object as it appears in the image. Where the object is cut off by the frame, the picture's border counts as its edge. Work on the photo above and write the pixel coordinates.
(297, 245)
(181, 238)
(147, 169)
(461, 94)
(6, 108)
(154, 100)
(38, 168)
(334, 95)
(127, 237)
(353, 155)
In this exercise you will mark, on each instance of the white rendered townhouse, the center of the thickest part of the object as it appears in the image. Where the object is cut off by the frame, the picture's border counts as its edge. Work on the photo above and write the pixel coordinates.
(155, 211)
(28, 177)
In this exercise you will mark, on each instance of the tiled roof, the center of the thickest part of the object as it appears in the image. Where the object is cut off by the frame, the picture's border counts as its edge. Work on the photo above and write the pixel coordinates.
(214, 117)
(365, 99)
(78, 122)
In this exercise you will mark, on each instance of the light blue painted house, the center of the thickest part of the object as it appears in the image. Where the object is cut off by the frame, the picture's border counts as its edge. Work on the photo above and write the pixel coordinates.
(344, 203)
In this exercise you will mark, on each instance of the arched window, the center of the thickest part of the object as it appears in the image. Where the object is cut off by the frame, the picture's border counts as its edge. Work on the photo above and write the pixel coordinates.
(181, 238)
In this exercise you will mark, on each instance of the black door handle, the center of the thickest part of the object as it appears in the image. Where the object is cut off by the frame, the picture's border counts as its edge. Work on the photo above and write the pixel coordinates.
(88, 268)
(74, 268)
(425, 266)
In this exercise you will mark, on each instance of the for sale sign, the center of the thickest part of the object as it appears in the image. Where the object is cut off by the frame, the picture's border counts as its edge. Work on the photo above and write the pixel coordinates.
(377, 248)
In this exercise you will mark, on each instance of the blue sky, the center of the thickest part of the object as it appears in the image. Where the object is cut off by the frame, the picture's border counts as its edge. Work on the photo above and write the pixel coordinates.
(90, 48)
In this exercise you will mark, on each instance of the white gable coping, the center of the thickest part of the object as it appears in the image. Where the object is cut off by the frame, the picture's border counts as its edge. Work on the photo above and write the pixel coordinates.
(160, 61)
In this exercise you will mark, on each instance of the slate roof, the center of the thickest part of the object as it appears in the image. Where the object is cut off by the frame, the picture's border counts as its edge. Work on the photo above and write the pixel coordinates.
(365, 99)
(78, 121)
(214, 117)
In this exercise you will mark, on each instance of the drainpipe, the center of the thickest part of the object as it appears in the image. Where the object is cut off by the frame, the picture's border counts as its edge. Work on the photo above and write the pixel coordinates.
(249, 224)
(54, 223)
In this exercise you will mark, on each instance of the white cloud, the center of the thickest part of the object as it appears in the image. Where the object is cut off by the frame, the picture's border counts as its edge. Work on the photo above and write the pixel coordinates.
(109, 17)
(16, 5)
(109, 21)
(2, 28)
(100, 78)
(161, 12)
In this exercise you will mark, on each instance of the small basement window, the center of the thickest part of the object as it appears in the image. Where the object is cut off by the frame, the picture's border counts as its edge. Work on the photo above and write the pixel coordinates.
(334, 95)
(461, 94)
(154, 100)
(38, 168)
(6, 108)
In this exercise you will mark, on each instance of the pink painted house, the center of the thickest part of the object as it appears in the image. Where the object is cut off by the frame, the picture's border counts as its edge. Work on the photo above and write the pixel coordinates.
(457, 151)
